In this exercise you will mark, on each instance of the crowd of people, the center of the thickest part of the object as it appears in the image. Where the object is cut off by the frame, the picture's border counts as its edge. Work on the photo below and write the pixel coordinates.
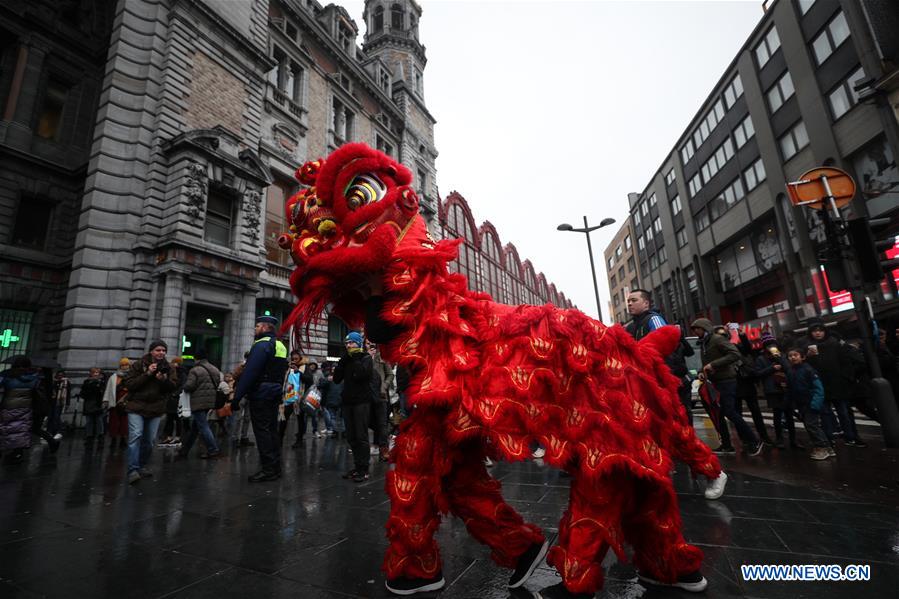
(197, 404)
(817, 378)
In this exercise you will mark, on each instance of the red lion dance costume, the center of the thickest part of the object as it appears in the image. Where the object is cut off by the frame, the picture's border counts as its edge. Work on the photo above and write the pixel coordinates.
(488, 379)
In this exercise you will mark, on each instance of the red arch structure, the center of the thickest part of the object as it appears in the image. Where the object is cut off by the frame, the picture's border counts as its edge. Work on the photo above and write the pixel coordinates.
(490, 266)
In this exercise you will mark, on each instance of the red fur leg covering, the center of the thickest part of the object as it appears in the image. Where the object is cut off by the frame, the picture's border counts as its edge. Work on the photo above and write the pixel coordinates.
(475, 497)
(590, 525)
(431, 477)
(653, 528)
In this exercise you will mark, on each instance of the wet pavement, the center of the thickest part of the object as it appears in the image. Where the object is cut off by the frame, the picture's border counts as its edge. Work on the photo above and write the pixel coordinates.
(71, 527)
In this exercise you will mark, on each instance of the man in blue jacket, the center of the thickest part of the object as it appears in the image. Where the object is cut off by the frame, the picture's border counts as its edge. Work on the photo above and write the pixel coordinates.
(262, 381)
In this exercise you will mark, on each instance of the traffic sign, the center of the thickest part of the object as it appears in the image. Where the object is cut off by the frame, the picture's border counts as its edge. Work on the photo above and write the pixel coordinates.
(811, 188)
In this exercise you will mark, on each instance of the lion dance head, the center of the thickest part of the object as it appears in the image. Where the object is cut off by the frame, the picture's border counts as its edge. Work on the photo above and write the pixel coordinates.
(344, 225)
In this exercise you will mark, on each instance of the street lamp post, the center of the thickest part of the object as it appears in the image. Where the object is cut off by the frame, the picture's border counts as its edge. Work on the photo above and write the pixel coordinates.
(587, 230)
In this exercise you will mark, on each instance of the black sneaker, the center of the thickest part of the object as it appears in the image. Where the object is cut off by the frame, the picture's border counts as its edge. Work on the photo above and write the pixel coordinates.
(410, 586)
(755, 449)
(857, 443)
(527, 563)
(558, 591)
(723, 449)
(360, 477)
(264, 476)
(694, 582)
(348, 475)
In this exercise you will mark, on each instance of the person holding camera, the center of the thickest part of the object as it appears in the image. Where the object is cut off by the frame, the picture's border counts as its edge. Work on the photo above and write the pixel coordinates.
(149, 383)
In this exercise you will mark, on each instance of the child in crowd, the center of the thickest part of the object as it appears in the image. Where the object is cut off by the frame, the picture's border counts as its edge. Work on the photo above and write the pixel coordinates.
(807, 393)
(771, 367)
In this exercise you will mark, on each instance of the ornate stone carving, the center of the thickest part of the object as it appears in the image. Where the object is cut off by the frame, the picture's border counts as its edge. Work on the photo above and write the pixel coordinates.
(252, 208)
(197, 185)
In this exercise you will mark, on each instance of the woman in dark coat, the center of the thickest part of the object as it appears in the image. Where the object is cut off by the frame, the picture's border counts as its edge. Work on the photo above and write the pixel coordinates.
(21, 388)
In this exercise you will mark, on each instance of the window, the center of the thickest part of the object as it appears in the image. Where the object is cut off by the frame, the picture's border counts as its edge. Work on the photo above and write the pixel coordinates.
(793, 140)
(726, 200)
(378, 20)
(396, 17)
(631, 264)
(422, 182)
(51, 110)
(754, 175)
(275, 220)
(612, 281)
(695, 185)
(648, 235)
(337, 332)
(382, 145)
(663, 255)
(291, 32)
(418, 80)
(653, 262)
(641, 244)
(835, 33)
(675, 205)
(652, 200)
(744, 131)
(219, 216)
(780, 92)
(611, 262)
(733, 91)
(701, 220)
(618, 252)
(343, 119)
(714, 164)
(637, 217)
(669, 177)
(681, 237)
(657, 225)
(804, 5)
(767, 47)
(686, 152)
(627, 242)
(644, 208)
(32, 224)
(635, 283)
(621, 274)
(844, 96)
(295, 83)
(384, 80)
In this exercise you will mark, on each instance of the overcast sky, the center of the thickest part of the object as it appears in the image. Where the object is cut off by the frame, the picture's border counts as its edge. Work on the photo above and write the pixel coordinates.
(549, 111)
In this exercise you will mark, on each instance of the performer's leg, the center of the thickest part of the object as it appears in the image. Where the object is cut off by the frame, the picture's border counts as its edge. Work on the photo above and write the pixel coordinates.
(475, 497)
(652, 525)
(415, 490)
(588, 528)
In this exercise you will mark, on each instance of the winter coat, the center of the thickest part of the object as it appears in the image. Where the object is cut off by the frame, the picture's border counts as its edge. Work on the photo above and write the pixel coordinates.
(147, 394)
(805, 388)
(202, 382)
(385, 379)
(92, 396)
(746, 374)
(331, 393)
(837, 364)
(717, 351)
(19, 389)
(643, 324)
(355, 371)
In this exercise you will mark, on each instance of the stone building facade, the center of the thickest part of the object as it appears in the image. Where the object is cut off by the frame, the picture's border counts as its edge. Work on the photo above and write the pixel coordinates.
(148, 147)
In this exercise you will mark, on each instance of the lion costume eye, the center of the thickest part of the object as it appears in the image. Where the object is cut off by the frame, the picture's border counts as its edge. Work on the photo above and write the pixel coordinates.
(364, 189)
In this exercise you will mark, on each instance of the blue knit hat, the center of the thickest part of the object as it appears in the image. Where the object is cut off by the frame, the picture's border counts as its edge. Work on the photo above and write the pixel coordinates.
(355, 337)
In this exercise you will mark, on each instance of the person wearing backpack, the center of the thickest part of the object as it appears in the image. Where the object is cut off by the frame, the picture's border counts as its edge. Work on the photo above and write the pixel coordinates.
(202, 383)
(92, 407)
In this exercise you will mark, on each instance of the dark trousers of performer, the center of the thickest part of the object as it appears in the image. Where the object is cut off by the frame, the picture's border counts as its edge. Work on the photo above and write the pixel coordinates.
(356, 418)
(418, 491)
(615, 509)
(379, 423)
(264, 416)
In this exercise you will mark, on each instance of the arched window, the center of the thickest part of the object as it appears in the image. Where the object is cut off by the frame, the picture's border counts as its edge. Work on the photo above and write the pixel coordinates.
(490, 266)
(396, 16)
(378, 21)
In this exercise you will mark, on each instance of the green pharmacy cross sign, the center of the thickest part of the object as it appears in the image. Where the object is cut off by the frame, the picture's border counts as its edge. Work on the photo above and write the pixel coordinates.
(7, 338)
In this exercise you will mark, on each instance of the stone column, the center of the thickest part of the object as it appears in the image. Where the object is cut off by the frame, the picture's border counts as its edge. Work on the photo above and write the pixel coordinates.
(171, 327)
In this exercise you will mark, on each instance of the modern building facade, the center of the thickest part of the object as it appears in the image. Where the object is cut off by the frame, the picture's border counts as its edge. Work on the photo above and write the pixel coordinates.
(147, 152)
(622, 271)
(715, 232)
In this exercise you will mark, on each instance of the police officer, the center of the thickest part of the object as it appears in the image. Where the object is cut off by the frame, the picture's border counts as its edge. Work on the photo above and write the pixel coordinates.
(262, 382)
